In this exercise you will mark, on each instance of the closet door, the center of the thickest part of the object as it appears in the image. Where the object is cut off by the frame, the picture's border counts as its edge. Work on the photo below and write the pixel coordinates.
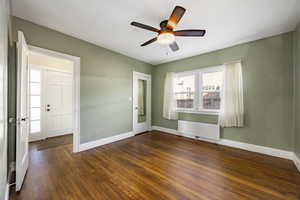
(141, 102)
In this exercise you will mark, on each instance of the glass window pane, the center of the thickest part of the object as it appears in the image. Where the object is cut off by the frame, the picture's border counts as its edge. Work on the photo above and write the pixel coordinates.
(211, 100)
(35, 75)
(35, 113)
(185, 91)
(35, 126)
(212, 81)
(211, 90)
(35, 88)
(35, 101)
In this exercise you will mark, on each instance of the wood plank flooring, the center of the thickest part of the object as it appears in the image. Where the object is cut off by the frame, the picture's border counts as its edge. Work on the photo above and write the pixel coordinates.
(157, 166)
(54, 142)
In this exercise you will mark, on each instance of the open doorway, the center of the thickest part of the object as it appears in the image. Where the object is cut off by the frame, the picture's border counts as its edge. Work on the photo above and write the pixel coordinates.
(53, 97)
(48, 101)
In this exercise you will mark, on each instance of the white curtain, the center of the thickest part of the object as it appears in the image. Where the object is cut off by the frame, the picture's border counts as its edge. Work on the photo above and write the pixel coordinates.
(232, 104)
(169, 107)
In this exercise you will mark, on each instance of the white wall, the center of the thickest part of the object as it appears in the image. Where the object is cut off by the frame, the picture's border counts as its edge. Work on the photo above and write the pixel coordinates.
(51, 62)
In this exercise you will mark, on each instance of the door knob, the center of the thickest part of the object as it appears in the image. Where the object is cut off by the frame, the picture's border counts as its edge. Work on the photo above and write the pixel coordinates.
(47, 109)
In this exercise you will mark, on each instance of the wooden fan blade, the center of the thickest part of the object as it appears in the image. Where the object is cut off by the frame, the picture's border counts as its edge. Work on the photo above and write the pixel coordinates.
(149, 42)
(143, 26)
(190, 33)
(175, 17)
(174, 46)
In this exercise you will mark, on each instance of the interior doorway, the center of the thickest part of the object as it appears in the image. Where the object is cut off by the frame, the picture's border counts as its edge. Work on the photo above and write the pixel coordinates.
(141, 102)
(54, 98)
(48, 100)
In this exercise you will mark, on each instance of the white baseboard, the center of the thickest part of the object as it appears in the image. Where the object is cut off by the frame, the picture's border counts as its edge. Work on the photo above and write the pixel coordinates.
(93, 144)
(6, 197)
(167, 130)
(240, 145)
(258, 149)
(297, 161)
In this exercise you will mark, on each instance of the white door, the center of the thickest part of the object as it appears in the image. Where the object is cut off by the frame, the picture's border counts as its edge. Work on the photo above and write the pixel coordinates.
(141, 102)
(58, 103)
(22, 137)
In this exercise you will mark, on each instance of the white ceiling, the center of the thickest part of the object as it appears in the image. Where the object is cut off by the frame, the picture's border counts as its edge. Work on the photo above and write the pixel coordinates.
(107, 22)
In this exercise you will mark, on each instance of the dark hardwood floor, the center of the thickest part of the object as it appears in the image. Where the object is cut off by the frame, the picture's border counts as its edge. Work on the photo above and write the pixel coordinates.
(154, 166)
(53, 142)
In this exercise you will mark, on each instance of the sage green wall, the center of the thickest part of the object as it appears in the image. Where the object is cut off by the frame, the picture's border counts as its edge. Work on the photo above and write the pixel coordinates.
(297, 89)
(105, 80)
(267, 73)
(4, 18)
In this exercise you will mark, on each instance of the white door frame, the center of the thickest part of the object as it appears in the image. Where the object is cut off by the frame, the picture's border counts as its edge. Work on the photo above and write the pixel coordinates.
(76, 87)
(148, 78)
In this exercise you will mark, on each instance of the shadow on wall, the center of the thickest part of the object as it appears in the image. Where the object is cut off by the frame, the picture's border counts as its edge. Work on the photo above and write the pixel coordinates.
(12, 90)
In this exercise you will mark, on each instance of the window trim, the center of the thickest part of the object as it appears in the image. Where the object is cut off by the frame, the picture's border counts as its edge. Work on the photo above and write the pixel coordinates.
(198, 104)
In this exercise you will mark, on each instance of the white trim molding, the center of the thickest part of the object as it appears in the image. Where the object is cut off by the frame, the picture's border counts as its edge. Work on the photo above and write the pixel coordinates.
(166, 130)
(97, 143)
(240, 145)
(297, 161)
(76, 83)
(6, 197)
(141, 127)
(258, 149)
(198, 83)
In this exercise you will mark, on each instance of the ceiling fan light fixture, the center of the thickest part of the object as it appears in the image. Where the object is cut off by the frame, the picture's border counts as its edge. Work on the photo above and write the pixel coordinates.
(166, 38)
(166, 33)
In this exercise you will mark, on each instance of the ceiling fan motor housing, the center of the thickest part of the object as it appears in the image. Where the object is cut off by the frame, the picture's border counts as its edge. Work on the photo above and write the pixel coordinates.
(163, 25)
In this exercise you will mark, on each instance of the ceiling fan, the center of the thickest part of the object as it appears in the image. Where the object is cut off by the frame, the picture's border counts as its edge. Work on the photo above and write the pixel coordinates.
(166, 34)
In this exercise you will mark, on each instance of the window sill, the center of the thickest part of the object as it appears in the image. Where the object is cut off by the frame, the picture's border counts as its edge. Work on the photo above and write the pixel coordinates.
(198, 112)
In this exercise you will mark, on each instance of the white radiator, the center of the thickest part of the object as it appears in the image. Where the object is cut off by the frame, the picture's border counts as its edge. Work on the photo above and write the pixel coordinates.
(199, 130)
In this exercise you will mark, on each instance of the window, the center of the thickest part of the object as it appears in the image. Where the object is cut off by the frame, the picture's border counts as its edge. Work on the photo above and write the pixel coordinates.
(211, 90)
(35, 101)
(199, 90)
(185, 91)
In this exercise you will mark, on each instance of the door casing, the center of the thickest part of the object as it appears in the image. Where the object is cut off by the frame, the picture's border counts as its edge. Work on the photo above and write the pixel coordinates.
(76, 88)
(135, 127)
